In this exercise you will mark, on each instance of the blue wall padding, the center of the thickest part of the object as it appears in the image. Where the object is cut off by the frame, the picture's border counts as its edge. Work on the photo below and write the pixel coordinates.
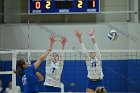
(119, 75)
(133, 73)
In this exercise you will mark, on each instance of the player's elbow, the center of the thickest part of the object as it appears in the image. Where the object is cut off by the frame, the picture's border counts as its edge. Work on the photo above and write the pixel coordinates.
(41, 79)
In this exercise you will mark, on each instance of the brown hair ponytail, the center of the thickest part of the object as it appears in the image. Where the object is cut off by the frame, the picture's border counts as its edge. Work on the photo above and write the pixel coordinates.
(20, 68)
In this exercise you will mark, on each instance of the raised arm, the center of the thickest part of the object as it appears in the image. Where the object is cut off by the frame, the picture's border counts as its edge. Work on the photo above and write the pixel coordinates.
(63, 42)
(41, 58)
(95, 46)
(79, 36)
(52, 40)
(91, 34)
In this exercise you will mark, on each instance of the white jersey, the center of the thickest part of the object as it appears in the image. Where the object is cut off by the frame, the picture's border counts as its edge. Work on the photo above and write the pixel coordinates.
(94, 66)
(53, 73)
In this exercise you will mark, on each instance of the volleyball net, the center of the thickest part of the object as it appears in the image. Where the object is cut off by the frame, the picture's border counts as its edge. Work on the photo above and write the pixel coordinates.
(120, 67)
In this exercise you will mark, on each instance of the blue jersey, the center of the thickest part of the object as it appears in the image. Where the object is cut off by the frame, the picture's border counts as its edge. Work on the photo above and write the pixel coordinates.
(30, 80)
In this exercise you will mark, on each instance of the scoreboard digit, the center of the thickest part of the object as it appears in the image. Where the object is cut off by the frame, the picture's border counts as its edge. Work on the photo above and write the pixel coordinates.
(64, 6)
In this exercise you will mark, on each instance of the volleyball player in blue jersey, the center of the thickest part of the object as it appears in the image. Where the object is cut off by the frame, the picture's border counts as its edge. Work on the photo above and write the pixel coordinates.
(93, 62)
(29, 75)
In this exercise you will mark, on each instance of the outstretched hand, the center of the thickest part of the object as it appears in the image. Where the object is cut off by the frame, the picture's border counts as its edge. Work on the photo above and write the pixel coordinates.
(91, 33)
(52, 38)
(63, 41)
(77, 33)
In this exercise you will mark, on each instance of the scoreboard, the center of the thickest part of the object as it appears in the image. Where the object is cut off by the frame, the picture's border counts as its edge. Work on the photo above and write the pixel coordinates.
(63, 6)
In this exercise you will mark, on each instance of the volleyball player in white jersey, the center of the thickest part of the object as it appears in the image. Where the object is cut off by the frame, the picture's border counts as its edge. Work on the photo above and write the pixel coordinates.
(93, 62)
(54, 67)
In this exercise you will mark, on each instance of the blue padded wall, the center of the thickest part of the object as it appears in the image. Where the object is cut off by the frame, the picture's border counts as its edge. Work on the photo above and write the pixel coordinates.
(119, 75)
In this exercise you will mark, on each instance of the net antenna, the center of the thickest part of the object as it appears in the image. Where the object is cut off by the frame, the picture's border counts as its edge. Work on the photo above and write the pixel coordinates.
(29, 54)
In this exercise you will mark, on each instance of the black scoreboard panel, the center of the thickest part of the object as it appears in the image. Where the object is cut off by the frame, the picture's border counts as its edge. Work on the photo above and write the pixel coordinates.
(63, 6)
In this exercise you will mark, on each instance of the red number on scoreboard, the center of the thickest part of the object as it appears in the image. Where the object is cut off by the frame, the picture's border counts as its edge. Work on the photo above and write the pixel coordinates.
(37, 5)
(93, 4)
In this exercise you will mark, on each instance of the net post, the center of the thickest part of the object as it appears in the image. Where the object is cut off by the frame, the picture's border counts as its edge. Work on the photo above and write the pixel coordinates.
(29, 57)
(14, 58)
